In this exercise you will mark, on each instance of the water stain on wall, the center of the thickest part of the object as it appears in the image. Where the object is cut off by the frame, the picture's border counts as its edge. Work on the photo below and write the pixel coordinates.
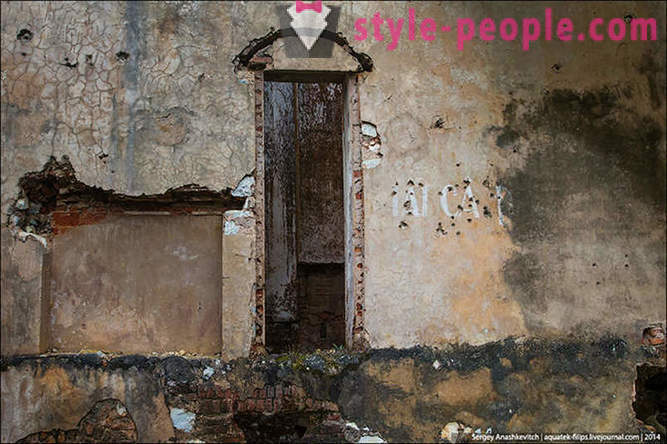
(586, 201)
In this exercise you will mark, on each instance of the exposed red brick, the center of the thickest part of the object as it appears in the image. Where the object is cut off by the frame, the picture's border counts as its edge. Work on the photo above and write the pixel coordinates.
(65, 219)
(250, 404)
(227, 406)
(205, 391)
(209, 406)
(219, 392)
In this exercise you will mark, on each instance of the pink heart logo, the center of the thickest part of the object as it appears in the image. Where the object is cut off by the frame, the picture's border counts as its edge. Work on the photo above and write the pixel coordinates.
(315, 6)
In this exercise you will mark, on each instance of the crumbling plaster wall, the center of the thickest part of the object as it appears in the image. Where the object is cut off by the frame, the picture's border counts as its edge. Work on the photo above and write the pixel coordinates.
(573, 135)
(140, 95)
(406, 395)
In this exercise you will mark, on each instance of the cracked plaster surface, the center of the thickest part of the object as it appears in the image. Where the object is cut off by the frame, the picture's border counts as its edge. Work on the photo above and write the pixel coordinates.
(140, 96)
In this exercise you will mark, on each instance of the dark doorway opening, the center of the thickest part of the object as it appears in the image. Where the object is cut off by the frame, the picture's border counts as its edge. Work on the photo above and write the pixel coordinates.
(650, 403)
(304, 213)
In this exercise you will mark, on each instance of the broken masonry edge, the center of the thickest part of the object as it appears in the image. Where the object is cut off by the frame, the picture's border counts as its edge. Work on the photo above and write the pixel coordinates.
(463, 358)
(40, 193)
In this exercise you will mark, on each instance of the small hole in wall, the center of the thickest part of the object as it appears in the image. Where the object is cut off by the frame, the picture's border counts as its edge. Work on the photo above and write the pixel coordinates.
(25, 35)
(69, 64)
(650, 403)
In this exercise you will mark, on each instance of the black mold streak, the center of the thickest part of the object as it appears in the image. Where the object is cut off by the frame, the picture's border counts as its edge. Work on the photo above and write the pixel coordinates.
(595, 144)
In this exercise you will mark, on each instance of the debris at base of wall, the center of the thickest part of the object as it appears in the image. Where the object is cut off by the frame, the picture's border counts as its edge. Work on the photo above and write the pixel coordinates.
(371, 439)
(207, 373)
(456, 432)
(21, 204)
(330, 362)
(653, 335)
(352, 432)
(182, 419)
(450, 432)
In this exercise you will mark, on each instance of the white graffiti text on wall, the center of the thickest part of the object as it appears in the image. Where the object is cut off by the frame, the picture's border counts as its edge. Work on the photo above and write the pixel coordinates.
(454, 200)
